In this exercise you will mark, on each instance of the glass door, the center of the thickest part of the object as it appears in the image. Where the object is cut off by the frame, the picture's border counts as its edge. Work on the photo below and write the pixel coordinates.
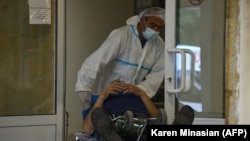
(196, 26)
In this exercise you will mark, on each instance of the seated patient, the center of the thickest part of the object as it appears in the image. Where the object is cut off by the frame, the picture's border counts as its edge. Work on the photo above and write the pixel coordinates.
(116, 99)
(124, 97)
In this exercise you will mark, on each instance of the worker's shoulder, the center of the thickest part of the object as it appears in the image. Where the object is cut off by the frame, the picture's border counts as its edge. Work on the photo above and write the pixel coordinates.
(124, 30)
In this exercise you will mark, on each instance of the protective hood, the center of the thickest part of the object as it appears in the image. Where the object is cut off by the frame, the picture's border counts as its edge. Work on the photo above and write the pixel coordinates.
(134, 20)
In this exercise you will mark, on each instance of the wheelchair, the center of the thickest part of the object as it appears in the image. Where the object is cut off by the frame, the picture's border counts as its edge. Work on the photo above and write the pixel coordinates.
(134, 128)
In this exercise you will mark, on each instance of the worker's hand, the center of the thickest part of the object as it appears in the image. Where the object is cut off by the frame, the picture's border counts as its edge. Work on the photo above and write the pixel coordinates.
(85, 97)
(113, 89)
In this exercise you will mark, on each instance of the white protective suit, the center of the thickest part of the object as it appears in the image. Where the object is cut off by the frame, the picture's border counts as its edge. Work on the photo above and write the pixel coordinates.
(123, 56)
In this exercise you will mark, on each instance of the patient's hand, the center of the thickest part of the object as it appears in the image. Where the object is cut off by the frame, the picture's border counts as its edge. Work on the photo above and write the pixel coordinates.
(130, 88)
(113, 89)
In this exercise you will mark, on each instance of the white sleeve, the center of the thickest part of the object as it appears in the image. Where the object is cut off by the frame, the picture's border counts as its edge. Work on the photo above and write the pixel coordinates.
(154, 78)
(86, 76)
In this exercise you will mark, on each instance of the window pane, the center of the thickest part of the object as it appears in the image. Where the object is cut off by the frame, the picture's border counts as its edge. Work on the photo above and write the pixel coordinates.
(195, 30)
(27, 60)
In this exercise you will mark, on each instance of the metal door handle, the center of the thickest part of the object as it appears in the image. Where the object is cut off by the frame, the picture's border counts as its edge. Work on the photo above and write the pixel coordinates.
(183, 85)
(170, 85)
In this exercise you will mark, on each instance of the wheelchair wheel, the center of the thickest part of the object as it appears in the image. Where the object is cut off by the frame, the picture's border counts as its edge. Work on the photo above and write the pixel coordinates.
(128, 116)
(162, 116)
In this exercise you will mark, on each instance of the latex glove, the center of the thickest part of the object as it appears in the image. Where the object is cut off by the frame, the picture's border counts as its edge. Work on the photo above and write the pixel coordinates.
(85, 97)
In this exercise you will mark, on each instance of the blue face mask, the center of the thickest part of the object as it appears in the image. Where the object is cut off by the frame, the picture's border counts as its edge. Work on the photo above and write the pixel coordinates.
(150, 34)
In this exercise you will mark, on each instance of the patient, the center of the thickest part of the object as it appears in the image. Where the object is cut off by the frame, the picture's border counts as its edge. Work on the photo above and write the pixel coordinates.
(116, 99)
(119, 93)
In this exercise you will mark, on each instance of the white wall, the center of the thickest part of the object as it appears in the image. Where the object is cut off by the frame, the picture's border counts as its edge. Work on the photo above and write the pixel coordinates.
(244, 97)
(88, 23)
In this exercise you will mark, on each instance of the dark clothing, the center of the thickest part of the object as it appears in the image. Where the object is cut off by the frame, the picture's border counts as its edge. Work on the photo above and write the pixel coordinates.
(119, 104)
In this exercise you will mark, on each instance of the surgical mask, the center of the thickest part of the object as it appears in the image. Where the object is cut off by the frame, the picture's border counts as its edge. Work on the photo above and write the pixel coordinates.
(150, 34)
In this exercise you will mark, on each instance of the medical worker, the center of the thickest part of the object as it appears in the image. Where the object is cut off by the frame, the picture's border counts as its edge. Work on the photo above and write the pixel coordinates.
(133, 53)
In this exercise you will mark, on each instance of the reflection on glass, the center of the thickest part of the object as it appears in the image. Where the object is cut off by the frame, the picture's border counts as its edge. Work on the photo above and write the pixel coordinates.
(27, 62)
